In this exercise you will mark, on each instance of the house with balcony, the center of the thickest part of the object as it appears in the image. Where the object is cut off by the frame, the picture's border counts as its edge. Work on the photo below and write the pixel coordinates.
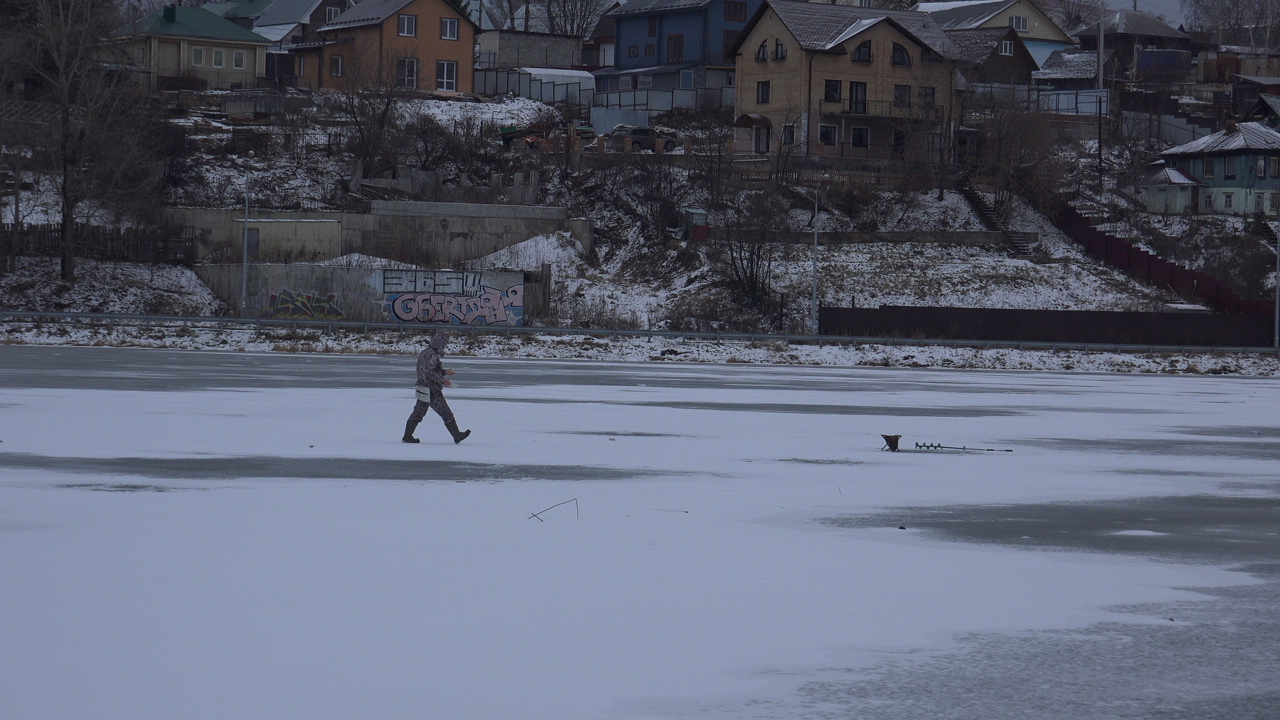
(674, 44)
(1235, 171)
(1038, 32)
(845, 81)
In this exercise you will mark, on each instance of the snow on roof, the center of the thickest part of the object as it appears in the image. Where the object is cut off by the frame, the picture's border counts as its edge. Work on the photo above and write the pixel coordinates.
(1133, 22)
(1070, 65)
(824, 27)
(1245, 136)
(963, 15)
(1168, 176)
(1259, 79)
(275, 33)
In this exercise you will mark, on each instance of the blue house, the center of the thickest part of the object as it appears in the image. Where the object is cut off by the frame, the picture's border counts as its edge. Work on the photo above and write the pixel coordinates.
(1236, 171)
(675, 44)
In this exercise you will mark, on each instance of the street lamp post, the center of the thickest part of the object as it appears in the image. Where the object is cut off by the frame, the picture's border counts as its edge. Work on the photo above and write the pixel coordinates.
(816, 190)
(244, 255)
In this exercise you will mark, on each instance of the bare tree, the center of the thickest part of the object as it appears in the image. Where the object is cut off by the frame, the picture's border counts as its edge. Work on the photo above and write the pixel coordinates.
(99, 146)
(1016, 154)
(744, 252)
(369, 95)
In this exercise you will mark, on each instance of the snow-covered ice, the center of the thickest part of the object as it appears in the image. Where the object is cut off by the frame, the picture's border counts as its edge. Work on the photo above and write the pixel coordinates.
(213, 535)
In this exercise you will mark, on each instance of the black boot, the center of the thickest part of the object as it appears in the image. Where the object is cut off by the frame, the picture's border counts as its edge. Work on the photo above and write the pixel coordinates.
(458, 435)
(409, 427)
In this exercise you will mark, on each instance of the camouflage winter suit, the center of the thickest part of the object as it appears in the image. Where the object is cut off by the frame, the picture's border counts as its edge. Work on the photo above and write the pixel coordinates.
(431, 382)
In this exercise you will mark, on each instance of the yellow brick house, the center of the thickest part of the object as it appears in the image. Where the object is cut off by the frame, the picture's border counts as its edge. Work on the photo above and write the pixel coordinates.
(844, 81)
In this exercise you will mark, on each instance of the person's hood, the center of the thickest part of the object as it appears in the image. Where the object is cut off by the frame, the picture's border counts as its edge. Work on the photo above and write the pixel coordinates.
(438, 342)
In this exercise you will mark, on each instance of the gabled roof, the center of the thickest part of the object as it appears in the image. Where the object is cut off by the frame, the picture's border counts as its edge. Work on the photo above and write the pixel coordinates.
(648, 7)
(189, 22)
(373, 12)
(1168, 176)
(1245, 136)
(238, 8)
(963, 14)
(1267, 104)
(1071, 65)
(1136, 23)
(977, 45)
(821, 28)
(282, 12)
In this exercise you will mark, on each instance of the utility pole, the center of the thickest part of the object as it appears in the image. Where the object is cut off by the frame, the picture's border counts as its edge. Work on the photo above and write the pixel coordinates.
(816, 191)
(244, 255)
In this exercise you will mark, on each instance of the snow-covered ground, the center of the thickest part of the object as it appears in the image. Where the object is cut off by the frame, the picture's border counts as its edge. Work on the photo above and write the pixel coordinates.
(107, 287)
(214, 535)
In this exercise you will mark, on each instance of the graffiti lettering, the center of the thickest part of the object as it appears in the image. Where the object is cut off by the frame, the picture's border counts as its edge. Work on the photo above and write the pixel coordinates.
(302, 306)
(434, 282)
(490, 306)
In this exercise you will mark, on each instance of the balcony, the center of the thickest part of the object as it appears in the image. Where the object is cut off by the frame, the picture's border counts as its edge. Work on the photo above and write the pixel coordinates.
(880, 109)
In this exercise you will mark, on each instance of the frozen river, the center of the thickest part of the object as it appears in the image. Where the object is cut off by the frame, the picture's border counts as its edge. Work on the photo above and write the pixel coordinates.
(216, 535)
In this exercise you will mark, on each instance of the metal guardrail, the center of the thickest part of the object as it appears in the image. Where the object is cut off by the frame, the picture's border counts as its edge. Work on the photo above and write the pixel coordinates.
(18, 316)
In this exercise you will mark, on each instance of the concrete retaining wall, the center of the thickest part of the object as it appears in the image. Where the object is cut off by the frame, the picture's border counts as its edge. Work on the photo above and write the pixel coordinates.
(313, 292)
(984, 239)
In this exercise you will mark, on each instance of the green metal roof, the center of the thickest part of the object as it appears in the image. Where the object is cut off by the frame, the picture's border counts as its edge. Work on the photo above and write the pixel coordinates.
(191, 22)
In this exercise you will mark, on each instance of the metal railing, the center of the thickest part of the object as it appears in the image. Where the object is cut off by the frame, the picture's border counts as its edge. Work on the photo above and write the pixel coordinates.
(224, 323)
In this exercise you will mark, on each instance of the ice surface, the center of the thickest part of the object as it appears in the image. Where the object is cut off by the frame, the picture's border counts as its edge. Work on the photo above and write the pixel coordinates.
(690, 576)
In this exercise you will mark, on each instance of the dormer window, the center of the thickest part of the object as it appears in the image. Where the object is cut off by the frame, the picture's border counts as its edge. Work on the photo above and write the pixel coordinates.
(862, 53)
(1006, 47)
(779, 50)
(1018, 22)
(900, 55)
(762, 52)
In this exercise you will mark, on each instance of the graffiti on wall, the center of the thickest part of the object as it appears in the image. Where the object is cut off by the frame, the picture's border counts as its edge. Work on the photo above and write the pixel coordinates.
(292, 305)
(447, 296)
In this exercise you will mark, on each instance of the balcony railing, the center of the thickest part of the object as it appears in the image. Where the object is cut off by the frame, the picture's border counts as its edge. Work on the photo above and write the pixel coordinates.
(881, 108)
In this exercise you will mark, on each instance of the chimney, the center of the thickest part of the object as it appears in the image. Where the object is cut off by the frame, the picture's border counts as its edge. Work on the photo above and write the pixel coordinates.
(1231, 127)
(171, 13)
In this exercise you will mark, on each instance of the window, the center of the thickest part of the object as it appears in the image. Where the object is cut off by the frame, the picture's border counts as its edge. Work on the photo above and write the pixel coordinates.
(1275, 202)
(779, 50)
(862, 53)
(1275, 166)
(1018, 22)
(831, 91)
(1006, 47)
(735, 11)
(302, 66)
(1228, 201)
(197, 57)
(827, 134)
(1257, 202)
(331, 13)
(927, 97)
(448, 28)
(335, 65)
(686, 79)
(446, 75)
(1262, 168)
(730, 37)
(864, 3)
(408, 26)
(762, 52)
(900, 55)
(675, 48)
(858, 98)
(219, 58)
(729, 79)
(644, 82)
(762, 92)
(789, 134)
(653, 26)
(237, 59)
(902, 96)
(633, 51)
(407, 72)
(650, 50)
(1228, 168)
(1208, 167)
(860, 137)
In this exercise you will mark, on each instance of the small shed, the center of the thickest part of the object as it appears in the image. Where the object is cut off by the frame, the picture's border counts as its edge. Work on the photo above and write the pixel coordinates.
(1169, 191)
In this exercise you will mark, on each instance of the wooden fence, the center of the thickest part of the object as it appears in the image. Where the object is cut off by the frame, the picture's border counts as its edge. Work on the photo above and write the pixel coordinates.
(159, 245)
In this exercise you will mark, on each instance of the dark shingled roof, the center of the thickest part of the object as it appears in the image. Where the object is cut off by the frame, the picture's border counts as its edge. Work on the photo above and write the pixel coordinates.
(822, 27)
(957, 16)
(645, 7)
(977, 45)
(1134, 22)
(1071, 65)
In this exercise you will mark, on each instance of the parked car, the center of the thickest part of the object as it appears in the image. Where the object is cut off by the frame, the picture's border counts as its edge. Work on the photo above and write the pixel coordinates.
(635, 139)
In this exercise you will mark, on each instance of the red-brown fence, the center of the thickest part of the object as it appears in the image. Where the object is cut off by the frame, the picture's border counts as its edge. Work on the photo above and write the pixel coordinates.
(99, 243)
(1155, 270)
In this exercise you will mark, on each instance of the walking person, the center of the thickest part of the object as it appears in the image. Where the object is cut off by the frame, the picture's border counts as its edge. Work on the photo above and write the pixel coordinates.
(430, 390)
